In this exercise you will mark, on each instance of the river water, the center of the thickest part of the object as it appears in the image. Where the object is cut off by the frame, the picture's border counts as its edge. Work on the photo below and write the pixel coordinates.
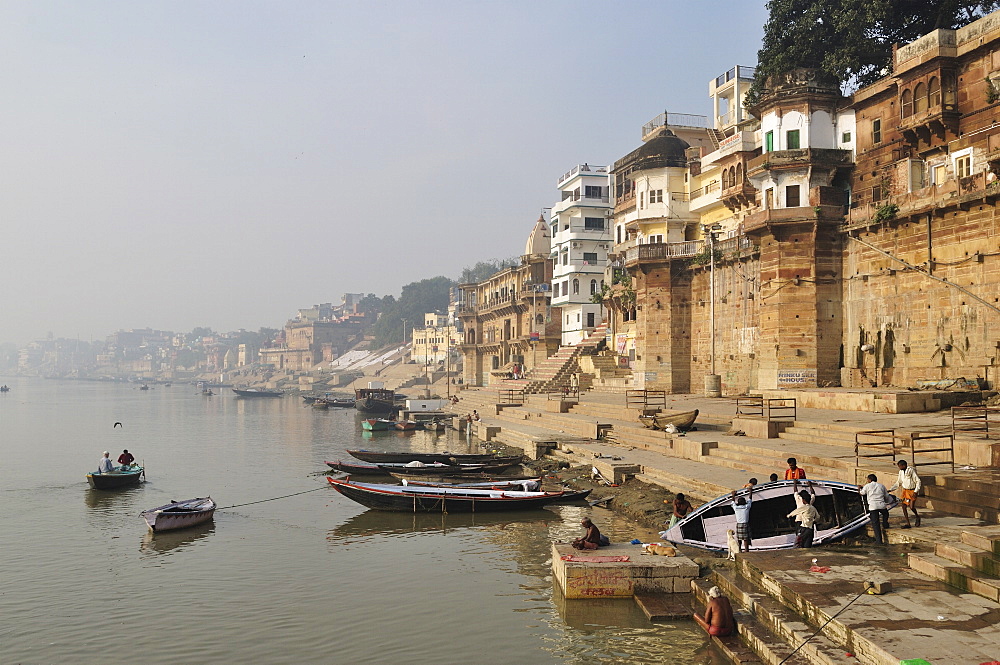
(310, 578)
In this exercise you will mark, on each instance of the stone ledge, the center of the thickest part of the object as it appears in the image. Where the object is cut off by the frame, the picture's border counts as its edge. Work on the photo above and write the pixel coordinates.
(642, 573)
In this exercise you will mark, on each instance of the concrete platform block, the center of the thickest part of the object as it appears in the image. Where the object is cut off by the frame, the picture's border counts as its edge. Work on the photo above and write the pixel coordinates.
(641, 574)
(616, 472)
(760, 428)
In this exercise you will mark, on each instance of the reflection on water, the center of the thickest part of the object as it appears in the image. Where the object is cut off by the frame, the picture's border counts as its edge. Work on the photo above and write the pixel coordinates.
(167, 542)
(378, 522)
(111, 500)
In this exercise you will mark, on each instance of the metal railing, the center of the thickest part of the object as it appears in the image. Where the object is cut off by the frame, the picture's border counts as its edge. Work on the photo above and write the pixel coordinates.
(769, 408)
(974, 420)
(878, 440)
(510, 396)
(567, 393)
(675, 120)
(655, 251)
(645, 399)
(886, 443)
(581, 168)
(707, 189)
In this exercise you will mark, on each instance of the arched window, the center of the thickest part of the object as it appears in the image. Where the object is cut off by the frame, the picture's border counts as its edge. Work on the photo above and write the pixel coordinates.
(906, 103)
(576, 287)
(739, 175)
(540, 319)
(593, 286)
(725, 178)
(920, 98)
(933, 92)
(618, 234)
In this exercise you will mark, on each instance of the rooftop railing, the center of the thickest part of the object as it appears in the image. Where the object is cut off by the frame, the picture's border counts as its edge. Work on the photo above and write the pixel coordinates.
(582, 168)
(666, 119)
(735, 72)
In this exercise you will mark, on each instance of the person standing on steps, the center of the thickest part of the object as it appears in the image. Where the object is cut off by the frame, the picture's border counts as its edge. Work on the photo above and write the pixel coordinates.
(806, 515)
(909, 482)
(876, 496)
(741, 507)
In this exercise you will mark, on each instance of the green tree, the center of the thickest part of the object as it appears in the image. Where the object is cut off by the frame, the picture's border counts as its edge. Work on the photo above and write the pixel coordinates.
(416, 299)
(485, 269)
(851, 40)
(202, 331)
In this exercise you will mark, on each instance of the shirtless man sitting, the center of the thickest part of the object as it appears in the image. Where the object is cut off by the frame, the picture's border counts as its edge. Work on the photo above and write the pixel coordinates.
(718, 619)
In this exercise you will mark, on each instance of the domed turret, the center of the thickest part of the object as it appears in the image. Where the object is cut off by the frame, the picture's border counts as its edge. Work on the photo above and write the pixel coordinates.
(540, 240)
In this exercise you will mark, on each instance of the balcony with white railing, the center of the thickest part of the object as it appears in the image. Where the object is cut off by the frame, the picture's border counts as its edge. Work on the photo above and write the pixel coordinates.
(667, 119)
(571, 199)
(583, 169)
(705, 197)
(737, 72)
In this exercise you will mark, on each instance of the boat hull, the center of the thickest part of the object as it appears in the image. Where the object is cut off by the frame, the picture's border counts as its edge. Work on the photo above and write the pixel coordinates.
(682, 421)
(256, 393)
(180, 514)
(396, 498)
(115, 479)
(375, 457)
(376, 425)
(839, 504)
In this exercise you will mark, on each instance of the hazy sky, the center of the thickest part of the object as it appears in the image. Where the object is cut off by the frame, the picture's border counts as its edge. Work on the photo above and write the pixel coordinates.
(222, 164)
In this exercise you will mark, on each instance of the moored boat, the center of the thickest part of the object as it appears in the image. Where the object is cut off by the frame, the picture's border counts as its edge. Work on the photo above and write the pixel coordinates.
(321, 404)
(256, 392)
(839, 505)
(681, 421)
(401, 498)
(121, 476)
(375, 400)
(179, 514)
(381, 469)
(406, 425)
(376, 425)
(376, 457)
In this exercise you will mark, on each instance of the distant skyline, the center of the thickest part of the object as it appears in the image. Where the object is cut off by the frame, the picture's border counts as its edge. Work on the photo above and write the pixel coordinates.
(224, 164)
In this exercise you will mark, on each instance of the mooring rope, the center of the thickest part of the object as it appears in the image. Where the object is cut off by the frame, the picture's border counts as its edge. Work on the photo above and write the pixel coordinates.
(820, 629)
(274, 499)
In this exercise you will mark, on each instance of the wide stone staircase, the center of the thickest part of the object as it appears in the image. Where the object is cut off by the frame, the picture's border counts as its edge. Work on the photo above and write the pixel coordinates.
(969, 562)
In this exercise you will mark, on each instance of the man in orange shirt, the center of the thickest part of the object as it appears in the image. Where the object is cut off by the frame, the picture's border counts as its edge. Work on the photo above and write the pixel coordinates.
(793, 472)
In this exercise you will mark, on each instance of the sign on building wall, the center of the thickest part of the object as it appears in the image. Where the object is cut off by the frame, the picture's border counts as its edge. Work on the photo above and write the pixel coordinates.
(796, 377)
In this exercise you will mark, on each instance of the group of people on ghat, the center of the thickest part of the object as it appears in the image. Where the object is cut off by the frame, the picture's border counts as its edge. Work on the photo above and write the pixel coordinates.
(105, 465)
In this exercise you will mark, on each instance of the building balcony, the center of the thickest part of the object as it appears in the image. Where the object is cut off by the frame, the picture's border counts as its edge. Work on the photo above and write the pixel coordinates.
(939, 122)
(781, 160)
(582, 169)
(661, 251)
(734, 74)
(739, 142)
(581, 201)
(704, 197)
(783, 216)
(740, 195)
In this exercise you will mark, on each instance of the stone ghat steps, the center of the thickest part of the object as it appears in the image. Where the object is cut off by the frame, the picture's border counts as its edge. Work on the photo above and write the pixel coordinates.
(704, 422)
(763, 462)
(699, 490)
(772, 630)
(970, 563)
(958, 506)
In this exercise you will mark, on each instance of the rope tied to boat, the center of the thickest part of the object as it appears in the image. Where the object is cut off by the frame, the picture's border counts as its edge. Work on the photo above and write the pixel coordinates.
(238, 505)
(820, 629)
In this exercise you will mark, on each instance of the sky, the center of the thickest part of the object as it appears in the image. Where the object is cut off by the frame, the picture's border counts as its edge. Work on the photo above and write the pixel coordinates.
(223, 164)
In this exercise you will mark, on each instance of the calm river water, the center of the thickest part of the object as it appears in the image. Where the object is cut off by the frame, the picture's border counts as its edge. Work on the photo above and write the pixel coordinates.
(313, 578)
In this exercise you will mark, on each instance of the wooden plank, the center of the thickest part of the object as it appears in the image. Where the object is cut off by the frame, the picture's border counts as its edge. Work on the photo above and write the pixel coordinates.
(664, 606)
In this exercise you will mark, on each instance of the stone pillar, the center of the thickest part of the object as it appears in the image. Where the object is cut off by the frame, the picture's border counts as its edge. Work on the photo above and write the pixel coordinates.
(663, 327)
(800, 315)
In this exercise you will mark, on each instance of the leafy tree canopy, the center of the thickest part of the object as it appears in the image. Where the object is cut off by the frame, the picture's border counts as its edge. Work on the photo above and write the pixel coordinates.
(416, 299)
(851, 39)
(485, 269)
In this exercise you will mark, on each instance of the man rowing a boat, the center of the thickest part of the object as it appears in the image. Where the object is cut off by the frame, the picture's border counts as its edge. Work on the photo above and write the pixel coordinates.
(126, 459)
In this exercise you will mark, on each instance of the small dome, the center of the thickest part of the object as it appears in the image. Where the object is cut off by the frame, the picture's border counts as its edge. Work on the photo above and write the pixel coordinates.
(665, 149)
(540, 240)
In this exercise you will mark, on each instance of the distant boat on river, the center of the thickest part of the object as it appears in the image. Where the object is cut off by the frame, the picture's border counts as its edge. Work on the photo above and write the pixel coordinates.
(256, 392)
(374, 400)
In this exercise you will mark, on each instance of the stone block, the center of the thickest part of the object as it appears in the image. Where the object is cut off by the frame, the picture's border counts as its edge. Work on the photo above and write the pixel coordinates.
(559, 405)
(759, 428)
(640, 574)
(487, 432)
(616, 472)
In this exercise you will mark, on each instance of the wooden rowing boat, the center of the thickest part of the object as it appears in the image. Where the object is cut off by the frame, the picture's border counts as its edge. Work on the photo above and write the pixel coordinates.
(119, 477)
(180, 514)
(681, 421)
(375, 457)
(399, 498)
(839, 505)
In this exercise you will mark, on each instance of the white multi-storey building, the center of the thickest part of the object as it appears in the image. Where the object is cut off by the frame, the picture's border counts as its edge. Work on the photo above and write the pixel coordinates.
(581, 238)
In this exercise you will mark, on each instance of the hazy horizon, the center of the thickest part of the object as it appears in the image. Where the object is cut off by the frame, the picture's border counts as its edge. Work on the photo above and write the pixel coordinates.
(224, 164)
